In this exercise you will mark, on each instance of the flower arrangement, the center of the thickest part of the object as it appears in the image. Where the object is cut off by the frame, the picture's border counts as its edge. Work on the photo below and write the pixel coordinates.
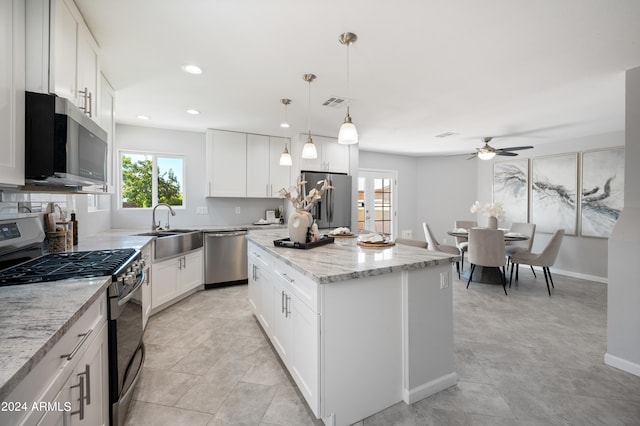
(488, 209)
(297, 198)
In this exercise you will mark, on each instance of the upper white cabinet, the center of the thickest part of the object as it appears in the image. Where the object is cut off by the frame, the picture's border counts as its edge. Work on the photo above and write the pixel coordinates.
(258, 166)
(226, 154)
(62, 55)
(332, 157)
(12, 85)
(245, 165)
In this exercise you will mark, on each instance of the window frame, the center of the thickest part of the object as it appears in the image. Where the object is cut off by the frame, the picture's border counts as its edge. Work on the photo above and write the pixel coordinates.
(154, 178)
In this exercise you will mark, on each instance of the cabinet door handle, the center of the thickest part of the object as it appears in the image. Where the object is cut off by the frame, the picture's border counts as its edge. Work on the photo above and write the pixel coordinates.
(255, 277)
(80, 410)
(288, 311)
(271, 190)
(90, 104)
(87, 378)
(84, 336)
(282, 299)
(266, 190)
(286, 277)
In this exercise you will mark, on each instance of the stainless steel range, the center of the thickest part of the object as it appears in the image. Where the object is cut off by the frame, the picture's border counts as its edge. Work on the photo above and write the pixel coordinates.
(20, 246)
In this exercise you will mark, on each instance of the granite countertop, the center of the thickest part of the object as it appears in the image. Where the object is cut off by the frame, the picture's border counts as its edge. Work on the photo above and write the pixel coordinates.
(345, 260)
(33, 317)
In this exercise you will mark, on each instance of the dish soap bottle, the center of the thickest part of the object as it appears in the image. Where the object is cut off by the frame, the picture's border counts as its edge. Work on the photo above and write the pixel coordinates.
(75, 228)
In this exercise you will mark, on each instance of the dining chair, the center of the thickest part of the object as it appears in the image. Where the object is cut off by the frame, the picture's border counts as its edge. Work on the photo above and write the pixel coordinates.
(545, 259)
(521, 247)
(486, 249)
(410, 242)
(462, 242)
(435, 246)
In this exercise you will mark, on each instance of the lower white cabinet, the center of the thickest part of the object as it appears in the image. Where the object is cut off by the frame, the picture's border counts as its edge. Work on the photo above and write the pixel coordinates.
(70, 384)
(280, 300)
(84, 396)
(174, 277)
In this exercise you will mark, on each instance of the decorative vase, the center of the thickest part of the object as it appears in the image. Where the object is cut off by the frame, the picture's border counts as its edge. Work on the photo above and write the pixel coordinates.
(492, 222)
(299, 223)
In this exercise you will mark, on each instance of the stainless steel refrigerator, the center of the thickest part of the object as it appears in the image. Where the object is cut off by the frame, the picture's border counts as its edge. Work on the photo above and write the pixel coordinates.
(333, 210)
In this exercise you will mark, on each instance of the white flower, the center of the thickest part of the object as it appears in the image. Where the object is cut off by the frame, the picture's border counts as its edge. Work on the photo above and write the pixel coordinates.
(488, 209)
(297, 198)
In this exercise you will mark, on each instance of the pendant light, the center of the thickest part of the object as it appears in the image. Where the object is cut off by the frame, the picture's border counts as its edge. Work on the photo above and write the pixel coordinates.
(309, 150)
(348, 134)
(285, 157)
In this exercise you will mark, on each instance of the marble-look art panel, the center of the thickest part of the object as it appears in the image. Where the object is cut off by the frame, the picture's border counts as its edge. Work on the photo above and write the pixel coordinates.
(602, 191)
(554, 186)
(511, 189)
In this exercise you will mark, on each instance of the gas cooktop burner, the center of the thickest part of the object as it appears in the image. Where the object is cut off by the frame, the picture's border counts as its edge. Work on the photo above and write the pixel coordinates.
(60, 266)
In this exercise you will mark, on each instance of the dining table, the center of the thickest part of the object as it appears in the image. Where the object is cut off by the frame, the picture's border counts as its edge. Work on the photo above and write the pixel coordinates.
(481, 274)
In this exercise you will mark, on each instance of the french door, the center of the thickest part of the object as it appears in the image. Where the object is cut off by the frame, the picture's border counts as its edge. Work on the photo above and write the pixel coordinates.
(377, 200)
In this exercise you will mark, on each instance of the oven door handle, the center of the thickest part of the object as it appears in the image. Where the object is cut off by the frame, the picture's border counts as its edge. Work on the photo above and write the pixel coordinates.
(128, 297)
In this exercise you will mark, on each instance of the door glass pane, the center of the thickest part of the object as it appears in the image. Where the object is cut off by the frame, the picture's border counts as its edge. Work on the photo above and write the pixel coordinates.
(360, 203)
(382, 205)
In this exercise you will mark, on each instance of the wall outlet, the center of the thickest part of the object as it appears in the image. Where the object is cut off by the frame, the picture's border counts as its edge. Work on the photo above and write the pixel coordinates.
(238, 210)
(407, 233)
(444, 280)
(202, 210)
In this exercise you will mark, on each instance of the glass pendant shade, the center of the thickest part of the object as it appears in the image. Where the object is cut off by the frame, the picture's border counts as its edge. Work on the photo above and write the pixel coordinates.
(285, 158)
(486, 155)
(348, 134)
(309, 150)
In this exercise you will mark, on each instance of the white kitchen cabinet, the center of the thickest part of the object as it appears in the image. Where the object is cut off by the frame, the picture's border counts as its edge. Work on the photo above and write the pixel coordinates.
(86, 389)
(226, 155)
(174, 277)
(332, 157)
(62, 55)
(286, 305)
(279, 176)
(258, 184)
(80, 354)
(12, 86)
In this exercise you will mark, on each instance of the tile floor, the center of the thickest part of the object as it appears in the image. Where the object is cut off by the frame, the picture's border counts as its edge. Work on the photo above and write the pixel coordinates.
(521, 359)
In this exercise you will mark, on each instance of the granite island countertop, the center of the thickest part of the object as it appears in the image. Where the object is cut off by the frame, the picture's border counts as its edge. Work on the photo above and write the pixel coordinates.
(345, 260)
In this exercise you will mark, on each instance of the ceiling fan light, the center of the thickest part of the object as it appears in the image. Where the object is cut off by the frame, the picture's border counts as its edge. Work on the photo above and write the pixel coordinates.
(486, 155)
(348, 134)
(309, 150)
(285, 158)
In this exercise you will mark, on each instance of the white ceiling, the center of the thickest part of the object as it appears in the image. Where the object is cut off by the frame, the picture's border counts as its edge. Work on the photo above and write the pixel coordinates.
(531, 71)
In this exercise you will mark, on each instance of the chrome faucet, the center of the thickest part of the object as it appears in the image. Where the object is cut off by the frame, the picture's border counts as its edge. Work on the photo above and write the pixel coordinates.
(155, 227)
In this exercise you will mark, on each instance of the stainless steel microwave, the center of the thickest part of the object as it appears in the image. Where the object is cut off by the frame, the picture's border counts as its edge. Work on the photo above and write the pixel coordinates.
(63, 146)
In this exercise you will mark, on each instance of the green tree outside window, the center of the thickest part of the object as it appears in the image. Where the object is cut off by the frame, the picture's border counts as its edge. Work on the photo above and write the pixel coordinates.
(138, 171)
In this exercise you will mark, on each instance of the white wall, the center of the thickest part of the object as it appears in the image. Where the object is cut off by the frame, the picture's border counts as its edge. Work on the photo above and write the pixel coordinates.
(623, 292)
(579, 256)
(221, 211)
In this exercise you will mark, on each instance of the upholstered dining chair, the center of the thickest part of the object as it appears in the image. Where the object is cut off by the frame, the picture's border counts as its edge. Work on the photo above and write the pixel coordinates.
(521, 247)
(486, 249)
(410, 242)
(435, 246)
(546, 258)
(462, 242)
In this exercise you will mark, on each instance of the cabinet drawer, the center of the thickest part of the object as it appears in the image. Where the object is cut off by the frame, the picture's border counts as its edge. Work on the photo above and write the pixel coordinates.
(259, 256)
(45, 379)
(303, 287)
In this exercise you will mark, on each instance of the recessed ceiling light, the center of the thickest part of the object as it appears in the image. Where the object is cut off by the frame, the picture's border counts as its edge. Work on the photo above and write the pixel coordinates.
(143, 117)
(285, 125)
(192, 69)
(193, 111)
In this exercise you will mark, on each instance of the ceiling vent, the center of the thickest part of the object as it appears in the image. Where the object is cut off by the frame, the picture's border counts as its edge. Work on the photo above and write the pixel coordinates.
(335, 102)
(446, 135)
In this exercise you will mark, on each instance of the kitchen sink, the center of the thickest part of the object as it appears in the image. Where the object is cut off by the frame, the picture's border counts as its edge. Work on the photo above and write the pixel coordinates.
(173, 242)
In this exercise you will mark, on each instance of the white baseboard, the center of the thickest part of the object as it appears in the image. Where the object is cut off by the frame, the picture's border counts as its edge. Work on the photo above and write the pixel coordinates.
(434, 386)
(603, 280)
(622, 364)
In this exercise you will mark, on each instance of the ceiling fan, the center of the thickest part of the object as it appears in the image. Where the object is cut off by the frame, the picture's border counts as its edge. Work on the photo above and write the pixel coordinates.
(487, 152)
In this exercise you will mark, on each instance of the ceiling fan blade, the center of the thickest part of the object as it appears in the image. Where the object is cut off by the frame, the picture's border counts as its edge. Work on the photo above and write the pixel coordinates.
(506, 153)
(514, 148)
(474, 155)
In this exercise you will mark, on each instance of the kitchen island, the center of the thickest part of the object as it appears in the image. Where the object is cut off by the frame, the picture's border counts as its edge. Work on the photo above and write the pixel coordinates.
(359, 329)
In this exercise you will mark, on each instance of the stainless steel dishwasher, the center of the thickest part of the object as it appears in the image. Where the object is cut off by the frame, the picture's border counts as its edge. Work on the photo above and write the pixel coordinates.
(225, 258)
